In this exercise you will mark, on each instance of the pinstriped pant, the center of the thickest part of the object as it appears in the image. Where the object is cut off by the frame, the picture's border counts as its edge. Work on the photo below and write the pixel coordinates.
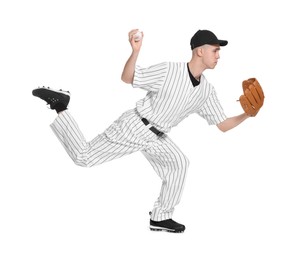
(127, 135)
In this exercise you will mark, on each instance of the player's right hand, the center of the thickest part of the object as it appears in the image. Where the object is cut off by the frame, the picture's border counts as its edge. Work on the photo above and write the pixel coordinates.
(136, 45)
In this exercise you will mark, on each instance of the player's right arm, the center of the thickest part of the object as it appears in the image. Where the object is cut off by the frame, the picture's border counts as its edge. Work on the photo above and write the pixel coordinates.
(127, 75)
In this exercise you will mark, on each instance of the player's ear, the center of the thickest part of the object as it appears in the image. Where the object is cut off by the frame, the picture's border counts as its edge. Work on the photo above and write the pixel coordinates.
(198, 51)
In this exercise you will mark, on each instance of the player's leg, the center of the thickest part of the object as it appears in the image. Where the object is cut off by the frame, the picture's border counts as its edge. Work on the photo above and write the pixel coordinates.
(171, 165)
(107, 146)
(115, 142)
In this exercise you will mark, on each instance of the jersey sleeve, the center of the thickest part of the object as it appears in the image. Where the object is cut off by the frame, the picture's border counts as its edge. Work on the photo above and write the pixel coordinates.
(212, 110)
(151, 78)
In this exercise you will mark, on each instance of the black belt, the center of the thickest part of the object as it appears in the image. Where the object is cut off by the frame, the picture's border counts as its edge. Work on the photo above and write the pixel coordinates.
(152, 128)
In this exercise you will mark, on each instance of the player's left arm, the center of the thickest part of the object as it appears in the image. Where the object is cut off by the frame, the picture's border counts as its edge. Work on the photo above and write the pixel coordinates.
(231, 122)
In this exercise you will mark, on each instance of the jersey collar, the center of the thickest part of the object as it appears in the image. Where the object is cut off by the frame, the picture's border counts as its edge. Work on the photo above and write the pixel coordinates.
(194, 81)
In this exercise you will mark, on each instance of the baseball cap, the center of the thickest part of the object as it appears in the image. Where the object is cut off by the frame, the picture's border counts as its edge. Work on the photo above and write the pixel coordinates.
(202, 37)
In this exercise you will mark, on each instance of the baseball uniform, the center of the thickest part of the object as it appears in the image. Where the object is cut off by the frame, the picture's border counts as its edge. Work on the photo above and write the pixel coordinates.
(172, 95)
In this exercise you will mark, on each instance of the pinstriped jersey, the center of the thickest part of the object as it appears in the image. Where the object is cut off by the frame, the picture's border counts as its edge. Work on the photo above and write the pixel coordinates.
(171, 96)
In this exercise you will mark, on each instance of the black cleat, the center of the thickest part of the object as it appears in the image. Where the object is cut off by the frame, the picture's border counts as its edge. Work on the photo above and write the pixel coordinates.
(167, 225)
(52, 97)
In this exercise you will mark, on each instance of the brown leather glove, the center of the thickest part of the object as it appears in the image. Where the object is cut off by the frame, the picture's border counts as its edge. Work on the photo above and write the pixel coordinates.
(253, 97)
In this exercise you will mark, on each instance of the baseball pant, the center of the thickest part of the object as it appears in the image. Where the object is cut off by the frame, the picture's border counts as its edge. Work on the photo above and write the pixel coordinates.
(127, 135)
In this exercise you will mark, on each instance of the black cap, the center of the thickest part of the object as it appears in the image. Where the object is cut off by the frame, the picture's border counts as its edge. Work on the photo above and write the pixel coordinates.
(202, 37)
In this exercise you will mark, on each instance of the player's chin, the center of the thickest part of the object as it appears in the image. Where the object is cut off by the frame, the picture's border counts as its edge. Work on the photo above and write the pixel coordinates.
(214, 65)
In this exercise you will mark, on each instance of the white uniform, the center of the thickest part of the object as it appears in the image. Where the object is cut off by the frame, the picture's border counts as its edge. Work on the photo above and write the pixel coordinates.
(170, 98)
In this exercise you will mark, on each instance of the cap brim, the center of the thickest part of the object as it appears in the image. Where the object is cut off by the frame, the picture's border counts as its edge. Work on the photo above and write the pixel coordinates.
(223, 43)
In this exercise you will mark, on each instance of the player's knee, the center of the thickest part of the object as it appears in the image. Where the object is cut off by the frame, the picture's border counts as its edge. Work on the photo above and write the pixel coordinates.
(184, 163)
(83, 161)
(88, 162)
(187, 162)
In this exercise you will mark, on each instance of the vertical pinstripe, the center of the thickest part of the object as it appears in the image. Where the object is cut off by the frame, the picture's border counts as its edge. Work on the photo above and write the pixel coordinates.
(171, 96)
(171, 165)
(127, 135)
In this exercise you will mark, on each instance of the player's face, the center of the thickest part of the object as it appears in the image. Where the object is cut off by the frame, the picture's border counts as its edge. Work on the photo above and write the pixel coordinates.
(211, 55)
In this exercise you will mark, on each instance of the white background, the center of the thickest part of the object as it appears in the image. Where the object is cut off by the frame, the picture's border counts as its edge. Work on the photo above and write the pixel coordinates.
(239, 199)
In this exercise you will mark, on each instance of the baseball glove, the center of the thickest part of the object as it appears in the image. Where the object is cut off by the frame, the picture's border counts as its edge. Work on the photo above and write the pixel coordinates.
(253, 97)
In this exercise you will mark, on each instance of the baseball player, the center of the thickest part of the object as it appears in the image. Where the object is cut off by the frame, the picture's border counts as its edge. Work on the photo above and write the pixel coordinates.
(174, 91)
